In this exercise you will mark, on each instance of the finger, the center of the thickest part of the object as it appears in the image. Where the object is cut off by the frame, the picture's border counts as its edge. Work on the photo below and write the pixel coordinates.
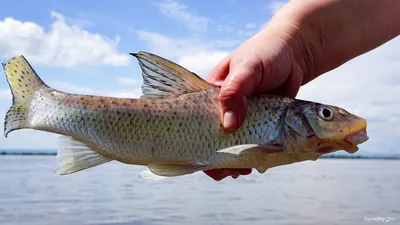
(219, 72)
(240, 82)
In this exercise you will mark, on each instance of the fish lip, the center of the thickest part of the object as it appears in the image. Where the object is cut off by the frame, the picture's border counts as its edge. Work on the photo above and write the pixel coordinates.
(357, 138)
(351, 141)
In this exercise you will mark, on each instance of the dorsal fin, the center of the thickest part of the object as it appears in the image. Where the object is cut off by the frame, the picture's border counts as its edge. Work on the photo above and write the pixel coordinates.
(164, 79)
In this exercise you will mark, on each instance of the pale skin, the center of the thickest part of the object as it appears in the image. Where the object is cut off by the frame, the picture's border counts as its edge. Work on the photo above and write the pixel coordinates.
(303, 40)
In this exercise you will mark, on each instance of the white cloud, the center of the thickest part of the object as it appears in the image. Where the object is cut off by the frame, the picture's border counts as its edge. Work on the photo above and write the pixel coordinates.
(172, 47)
(202, 62)
(245, 33)
(5, 94)
(135, 93)
(181, 13)
(199, 57)
(63, 45)
(250, 25)
(126, 81)
(71, 88)
(274, 5)
(225, 28)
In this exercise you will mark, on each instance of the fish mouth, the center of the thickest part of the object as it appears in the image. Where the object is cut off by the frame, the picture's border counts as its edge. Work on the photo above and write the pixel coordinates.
(351, 141)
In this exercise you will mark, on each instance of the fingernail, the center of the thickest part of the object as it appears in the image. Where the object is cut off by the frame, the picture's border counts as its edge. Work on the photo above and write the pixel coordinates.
(230, 119)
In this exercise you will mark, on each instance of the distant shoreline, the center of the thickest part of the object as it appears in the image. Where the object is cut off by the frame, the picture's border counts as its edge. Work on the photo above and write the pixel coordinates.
(333, 156)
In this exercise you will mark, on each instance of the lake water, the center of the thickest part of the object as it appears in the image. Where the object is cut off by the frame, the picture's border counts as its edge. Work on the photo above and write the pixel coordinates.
(328, 191)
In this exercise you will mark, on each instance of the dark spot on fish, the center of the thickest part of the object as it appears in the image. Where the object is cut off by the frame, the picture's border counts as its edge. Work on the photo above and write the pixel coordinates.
(22, 72)
(29, 79)
(341, 131)
(118, 112)
(124, 104)
(26, 86)
(310, 136)
(15, 71)
(22, 77)
(145, 105)
(19, 80)
(180, 124)
(19, 85)
(319, 144)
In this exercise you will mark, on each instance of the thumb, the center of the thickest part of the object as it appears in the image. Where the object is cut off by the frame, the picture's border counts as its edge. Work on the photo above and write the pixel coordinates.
(240, 82)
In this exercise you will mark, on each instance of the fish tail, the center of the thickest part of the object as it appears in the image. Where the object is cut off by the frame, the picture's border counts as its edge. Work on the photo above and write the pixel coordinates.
(24, 84)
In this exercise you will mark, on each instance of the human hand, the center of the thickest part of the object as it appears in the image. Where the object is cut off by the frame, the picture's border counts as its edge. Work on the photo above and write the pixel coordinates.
(270, 62)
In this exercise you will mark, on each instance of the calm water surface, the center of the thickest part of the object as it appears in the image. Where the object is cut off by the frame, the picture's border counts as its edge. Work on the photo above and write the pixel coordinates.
(323, 192)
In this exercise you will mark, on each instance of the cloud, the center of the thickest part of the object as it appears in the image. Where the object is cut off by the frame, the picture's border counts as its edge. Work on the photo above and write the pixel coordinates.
(250, 25)
(135, 93)
(63, 45)
(172, 47)
(245, 33)
(68, 87)
(182, 14)
(126, 81)
(202, 62)
(71, 88)
(5, 94)
(274, 5)
(197, 56)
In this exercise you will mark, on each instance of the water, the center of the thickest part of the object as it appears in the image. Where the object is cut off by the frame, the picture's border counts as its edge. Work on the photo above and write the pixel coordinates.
(328, 191)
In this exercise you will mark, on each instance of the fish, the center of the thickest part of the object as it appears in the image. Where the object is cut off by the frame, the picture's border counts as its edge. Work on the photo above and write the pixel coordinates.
(174, 128)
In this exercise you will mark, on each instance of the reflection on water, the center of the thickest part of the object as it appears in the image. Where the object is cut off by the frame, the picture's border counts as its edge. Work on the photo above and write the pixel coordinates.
(322, 192)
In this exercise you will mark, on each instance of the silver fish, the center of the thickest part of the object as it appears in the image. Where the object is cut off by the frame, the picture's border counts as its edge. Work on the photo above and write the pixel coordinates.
(175, 128)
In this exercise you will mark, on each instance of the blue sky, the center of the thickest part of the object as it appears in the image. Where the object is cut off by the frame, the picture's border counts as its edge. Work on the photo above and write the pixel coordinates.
(82, 47)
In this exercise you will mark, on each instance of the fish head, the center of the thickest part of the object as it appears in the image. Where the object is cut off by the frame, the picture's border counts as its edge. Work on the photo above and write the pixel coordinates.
(321, 128)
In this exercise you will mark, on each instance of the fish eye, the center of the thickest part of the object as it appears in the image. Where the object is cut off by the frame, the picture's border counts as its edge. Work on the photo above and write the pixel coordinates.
(325, 113)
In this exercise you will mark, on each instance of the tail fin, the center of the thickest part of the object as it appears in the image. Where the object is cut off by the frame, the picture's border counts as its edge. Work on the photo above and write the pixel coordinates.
(24, 83)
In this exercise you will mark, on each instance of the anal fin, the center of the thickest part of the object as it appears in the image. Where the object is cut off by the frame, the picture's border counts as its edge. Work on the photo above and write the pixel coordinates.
(74, 156)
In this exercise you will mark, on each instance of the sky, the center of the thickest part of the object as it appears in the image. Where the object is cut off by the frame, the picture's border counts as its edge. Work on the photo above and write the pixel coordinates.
(83, 47)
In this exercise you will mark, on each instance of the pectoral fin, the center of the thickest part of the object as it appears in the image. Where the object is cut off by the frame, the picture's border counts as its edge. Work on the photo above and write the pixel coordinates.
(173, 170)
(252, 149)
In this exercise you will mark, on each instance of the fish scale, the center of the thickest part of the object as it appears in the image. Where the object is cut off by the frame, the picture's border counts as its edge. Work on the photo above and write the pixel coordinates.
(173, 129)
